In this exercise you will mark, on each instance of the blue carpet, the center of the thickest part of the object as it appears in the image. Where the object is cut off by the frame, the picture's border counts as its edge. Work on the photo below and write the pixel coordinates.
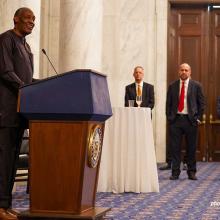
(180, 199)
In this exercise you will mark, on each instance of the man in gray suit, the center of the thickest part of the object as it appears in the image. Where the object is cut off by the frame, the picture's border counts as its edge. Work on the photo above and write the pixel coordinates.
(184, 109)
(146, 89)
(16, 69)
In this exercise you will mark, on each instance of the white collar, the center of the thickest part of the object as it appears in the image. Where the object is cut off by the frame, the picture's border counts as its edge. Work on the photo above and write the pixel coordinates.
(186, 82)
(141, 84)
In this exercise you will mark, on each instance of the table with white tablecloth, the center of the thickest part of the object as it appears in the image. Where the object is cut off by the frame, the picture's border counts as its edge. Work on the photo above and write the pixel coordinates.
(128, 162)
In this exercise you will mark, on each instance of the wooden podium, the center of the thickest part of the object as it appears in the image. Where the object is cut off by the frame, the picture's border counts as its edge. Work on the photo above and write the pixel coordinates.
(66, 115)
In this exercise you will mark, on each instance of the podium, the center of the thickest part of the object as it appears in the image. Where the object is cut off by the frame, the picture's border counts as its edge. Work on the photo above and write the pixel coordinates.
(66, 116)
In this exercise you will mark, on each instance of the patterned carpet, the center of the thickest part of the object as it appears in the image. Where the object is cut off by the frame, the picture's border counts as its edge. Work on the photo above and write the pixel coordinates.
(180, 199)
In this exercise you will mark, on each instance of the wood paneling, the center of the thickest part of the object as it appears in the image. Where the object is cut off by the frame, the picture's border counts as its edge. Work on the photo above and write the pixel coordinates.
(60, 179)
(194, 38)
(214, 88)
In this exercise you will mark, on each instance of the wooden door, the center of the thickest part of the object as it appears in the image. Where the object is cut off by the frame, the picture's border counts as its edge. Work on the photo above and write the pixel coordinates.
(214, 86)
(193, 37)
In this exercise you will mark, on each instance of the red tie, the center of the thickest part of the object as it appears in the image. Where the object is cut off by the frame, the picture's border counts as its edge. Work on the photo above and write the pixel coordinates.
(181, 99)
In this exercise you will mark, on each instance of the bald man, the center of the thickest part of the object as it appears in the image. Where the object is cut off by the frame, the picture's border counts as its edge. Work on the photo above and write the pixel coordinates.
(16, 70)
(184, 108)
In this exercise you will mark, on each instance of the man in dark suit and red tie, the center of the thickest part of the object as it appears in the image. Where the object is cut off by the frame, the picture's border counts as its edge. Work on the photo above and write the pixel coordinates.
(184, 108)
(140, 88)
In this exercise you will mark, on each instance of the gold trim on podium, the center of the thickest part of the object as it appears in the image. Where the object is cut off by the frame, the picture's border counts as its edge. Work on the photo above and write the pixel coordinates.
(95, 145)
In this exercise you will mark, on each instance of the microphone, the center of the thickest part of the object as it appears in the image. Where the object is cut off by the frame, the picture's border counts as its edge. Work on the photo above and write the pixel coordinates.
(44, 52)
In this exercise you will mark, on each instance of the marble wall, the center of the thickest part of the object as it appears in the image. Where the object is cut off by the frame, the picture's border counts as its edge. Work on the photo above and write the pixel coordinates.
(110, 36)
(135, 33)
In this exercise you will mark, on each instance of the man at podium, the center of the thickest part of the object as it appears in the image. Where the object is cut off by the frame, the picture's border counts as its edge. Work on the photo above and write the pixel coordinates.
(16, 70)
(139, 93)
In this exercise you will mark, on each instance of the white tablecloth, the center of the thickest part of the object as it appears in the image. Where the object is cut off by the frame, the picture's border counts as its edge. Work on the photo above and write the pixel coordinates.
(128, 162)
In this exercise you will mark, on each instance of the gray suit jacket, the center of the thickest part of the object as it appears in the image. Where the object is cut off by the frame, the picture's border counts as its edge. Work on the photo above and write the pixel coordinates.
(195, 101)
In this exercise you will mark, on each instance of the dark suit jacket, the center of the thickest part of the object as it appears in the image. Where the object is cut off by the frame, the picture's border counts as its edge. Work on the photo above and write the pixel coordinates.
(147, 95)
(195, 101)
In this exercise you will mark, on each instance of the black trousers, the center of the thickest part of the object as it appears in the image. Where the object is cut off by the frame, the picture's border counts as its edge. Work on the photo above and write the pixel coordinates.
(169, 156)
(10, 143)
(180, 127)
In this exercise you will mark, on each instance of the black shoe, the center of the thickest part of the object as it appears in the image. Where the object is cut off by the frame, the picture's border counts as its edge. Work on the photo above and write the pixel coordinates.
(184, 166)
(166, 167)
(192, 176)
(174, 177)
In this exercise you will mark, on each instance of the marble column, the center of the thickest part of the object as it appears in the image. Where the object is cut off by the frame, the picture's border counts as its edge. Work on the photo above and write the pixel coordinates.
(161, 79)
(49, 39)
(80, 35)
